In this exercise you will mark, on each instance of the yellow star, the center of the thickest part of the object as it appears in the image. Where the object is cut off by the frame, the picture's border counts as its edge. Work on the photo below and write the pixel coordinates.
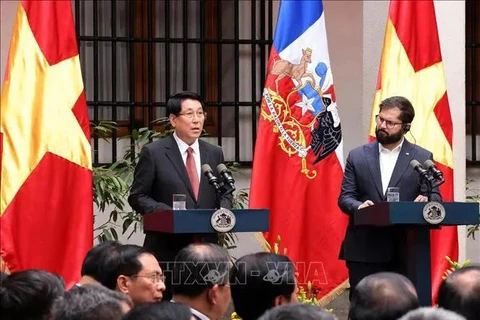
(423, 88)
(36, 112)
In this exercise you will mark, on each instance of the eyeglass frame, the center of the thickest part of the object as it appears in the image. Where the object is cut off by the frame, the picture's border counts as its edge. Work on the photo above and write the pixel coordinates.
(189, 115)
(152, 277)
(388, 124)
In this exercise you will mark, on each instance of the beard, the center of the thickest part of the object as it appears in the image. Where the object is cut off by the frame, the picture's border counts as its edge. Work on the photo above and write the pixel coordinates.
(384, 138)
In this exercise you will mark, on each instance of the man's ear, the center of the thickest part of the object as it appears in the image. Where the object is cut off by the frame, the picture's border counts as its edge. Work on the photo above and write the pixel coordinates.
(171, 118)
(123, 284)
(280, 300)
(212, 294)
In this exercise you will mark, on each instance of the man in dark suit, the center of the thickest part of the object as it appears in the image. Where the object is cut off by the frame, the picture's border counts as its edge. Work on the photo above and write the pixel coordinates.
(172, 165)
(369, 171)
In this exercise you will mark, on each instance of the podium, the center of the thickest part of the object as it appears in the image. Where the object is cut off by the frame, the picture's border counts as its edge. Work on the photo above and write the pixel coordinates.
(411, 216)
(198, 221)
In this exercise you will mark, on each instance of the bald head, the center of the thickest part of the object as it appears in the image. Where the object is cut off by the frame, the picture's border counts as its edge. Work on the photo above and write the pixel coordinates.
(383, 296)
(460, 292)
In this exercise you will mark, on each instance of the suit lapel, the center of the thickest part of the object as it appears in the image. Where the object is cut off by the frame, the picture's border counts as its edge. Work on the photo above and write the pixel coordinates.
(173, 154)
(371, 153)
(406, 155)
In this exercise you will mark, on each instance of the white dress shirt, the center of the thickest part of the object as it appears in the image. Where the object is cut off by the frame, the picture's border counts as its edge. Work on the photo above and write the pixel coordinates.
(388, 159)
(199, 314)
(183, 147)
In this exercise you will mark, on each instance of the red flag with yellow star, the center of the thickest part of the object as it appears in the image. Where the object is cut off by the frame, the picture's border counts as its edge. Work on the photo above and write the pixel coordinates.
(46, 203)
(412, 67)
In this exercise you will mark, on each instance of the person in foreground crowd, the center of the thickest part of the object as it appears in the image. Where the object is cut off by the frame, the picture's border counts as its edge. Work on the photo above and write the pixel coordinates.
(201, 280)
(297, 312)
(29, 295)
(261, 281)
(427, 313)
(172, 165)
(460, 292)
(160, 311)
(370, 169)
(97, 264)
(135, 272)
(91, 302)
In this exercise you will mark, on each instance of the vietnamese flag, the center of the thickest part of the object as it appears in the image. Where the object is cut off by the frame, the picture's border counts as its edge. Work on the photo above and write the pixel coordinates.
(297, 168)
(411, 66)
(46, 202)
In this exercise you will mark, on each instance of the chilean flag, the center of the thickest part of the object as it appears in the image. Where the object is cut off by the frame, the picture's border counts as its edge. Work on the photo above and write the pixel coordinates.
(298, 162)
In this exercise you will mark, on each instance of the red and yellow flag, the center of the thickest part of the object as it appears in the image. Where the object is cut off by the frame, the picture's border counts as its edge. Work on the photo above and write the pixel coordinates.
(46, 208)
(411, 66)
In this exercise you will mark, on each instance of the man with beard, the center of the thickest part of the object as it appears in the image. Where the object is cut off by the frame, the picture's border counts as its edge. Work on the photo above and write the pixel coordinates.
(369, 171)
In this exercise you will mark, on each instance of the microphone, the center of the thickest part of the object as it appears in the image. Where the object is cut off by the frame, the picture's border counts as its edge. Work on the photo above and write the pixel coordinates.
(226, 175)
(418, 168)
(430, 166)
(212, 180)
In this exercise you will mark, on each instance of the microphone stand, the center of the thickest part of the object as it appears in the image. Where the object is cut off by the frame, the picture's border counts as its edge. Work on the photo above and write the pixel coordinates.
(223, 191)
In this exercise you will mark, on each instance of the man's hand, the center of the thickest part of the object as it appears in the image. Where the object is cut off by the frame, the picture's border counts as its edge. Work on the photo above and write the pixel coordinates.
(367, 203)
(421, 198)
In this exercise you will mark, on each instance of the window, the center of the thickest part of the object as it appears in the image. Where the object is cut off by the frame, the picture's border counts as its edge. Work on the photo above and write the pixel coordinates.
(134, 54)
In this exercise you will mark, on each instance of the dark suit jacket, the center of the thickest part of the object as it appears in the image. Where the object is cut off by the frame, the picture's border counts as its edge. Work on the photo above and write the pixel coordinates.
(362, 181)
(159, 174)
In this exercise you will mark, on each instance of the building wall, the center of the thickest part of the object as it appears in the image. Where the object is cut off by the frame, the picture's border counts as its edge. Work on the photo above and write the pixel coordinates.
(355, 32)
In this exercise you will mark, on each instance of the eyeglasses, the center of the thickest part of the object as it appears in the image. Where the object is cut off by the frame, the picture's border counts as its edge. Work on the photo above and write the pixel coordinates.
(190, 114)
(389, 124)
(155, 278)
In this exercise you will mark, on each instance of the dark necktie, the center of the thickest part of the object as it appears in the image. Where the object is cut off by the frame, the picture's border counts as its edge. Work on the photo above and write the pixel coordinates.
(192, 172)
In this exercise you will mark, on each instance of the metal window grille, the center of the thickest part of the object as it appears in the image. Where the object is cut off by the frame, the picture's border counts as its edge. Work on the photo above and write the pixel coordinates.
(135, 54)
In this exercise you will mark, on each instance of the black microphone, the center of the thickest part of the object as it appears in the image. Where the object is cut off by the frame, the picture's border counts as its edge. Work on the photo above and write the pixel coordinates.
(418, 168)
(226, 175)
(430, 166)
(212, 180)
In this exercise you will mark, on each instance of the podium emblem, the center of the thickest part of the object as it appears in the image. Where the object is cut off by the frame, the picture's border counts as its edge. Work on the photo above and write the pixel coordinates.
(223, 220)
(434, 212)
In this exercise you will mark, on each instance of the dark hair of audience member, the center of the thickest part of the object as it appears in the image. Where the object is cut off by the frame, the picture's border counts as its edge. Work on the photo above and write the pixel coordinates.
(383, 296)
(125, 263)
(29, 295)
(91, 302)
(460, 292)
(98, 261)
(428, 313)
(198, 267)
(257, 280)
(297, 312)
(164, 310)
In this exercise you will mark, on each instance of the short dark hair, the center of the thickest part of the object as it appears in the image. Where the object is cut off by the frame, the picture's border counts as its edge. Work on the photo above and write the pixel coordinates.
(164, 310)
(125, 263)
(297, 311)
(198, 267)
(460, 292)
(429, 313)
(174, 103)
(90, 302)
(252, 292)
(98, 260)
(407, 113)
(383, 296)
(29, 294)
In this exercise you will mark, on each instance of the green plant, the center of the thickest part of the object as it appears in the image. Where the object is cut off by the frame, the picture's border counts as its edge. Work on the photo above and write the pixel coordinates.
(472, 195)
(454, 265)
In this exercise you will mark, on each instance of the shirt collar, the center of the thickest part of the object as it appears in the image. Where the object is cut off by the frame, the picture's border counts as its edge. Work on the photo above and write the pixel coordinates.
(182, 146)
(199, 314)
(382, 149)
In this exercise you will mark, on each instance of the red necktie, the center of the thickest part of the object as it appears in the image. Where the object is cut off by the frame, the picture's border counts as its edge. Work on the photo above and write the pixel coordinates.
(192, 172)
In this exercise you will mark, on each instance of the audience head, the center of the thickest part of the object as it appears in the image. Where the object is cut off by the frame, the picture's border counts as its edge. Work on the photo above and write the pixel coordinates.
(201, 278)
(91, 302)
(460, 292)
(137, 274)
(262, 281)
(297, 312)
(383, 296)
(164, 310)
(428, 313)
(99, 264)
(29, 294)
